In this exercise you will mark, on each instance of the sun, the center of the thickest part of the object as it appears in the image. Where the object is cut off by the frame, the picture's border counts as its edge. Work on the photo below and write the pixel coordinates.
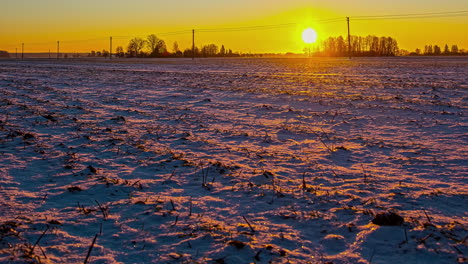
(309, 36)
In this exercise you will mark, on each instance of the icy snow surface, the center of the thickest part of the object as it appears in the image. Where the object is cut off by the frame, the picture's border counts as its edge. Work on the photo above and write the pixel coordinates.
(233, 160)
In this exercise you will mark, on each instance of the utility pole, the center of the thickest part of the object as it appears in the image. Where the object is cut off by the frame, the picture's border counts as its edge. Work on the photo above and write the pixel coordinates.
(16, 53)
(349, 39)
(193, 44)
(110, 50)
(58, 50)
(22, 51)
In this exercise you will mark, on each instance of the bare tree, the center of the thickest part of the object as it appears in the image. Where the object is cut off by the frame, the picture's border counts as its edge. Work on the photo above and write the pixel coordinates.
(152, 43)
(119, 52)
(209, 50)
(428, 50)
(361, 46)
(340, 46)
(175, 47)
(446, 50)
(437, 50)
(135, 46)
(222, 51)
(155, 45)
(161, 47)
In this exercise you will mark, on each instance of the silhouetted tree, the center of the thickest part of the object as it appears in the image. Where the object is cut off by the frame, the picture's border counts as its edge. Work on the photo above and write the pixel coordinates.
(437, 50)
(188, 52)
(105, 53)
(135, 46)
(340, 46)
(209, 50)
(403, 52)
(222, 51)
(329, 47)
(428, 50)
(446, 50)
(176, 50)
(155, 45)
(382, 46)
(119, 52)
(392, 46)
(356, 45)
(152, 43)
(175, 47)
(374, 45)
(360, 46)
(162, 47)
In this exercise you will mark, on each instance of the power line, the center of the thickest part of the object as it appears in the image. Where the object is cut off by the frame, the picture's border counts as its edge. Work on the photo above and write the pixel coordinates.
(246, 28)
(181, 32)
(413, 16)
(265, 27)
(164, 34)
(85, 40)
(67, 41)
(447, 14)
(403, 18)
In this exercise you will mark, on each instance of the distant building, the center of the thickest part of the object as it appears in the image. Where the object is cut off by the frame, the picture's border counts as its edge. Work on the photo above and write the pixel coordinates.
(4, 54)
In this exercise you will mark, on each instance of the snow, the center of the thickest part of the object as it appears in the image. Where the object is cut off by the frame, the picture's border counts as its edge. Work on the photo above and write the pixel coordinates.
(233, 160)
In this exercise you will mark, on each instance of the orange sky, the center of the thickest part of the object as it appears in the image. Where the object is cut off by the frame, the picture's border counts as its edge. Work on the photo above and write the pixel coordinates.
(86, 25)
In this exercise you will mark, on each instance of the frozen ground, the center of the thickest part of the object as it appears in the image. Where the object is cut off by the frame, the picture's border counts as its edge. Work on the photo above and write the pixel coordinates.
(233, 161)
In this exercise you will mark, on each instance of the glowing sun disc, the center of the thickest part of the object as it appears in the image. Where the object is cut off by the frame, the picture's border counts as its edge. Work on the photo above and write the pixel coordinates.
(309, 36)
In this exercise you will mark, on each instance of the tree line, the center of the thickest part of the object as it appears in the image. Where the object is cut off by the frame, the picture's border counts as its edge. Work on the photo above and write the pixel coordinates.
(4, 54)
(430, 50)
(368, 46)
(154, 47)
(371, 46)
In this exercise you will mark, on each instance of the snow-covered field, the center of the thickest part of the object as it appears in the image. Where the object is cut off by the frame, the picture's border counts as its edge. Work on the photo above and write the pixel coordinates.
(234, 161)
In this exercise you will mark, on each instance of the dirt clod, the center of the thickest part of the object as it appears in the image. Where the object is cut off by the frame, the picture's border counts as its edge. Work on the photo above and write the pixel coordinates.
(387, 219)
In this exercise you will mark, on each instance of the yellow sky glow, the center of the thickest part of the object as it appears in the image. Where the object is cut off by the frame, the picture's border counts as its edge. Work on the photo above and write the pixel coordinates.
(84, 25)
